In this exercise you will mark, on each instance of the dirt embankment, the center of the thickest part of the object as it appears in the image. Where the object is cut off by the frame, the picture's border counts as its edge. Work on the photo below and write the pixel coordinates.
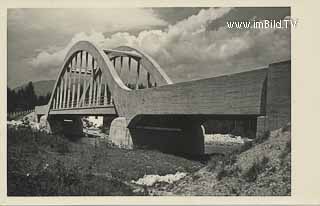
(262, 169)
(42, 164)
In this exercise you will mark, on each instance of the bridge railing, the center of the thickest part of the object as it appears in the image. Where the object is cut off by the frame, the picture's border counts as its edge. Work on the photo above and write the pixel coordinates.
(82, 82)
(87, 102)
(17, 114)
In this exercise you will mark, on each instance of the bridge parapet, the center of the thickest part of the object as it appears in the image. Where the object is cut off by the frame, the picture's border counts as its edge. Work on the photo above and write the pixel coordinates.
(41, 110)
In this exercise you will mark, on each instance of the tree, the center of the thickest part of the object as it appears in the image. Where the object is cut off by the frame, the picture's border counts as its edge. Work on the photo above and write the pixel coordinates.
(25, 98)
(30, 96)
(11, 100)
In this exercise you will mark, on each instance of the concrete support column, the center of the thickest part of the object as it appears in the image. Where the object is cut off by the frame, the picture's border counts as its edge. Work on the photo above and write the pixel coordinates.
(120, 134)
(262, 125)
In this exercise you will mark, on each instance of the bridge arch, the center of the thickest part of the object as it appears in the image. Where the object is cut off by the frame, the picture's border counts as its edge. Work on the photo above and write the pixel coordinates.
(88, 75)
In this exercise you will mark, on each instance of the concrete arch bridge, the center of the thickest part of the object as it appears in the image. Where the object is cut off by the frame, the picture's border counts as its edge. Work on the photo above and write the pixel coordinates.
(145, 108)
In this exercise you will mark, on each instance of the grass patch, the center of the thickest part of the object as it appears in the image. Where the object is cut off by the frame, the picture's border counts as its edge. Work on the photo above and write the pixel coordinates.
(286, 128)
(59, 180)
(30, 173)
(42, 164)
(260, 139)
(285, 152)
(224, 166)
(246, 146)
(28, 141)
(249, 144)
(257, 167)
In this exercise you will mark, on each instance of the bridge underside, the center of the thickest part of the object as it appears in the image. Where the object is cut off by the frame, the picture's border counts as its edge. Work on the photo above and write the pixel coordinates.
(181, 134)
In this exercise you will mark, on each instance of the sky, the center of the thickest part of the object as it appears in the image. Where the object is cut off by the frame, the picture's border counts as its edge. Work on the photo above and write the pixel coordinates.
(188, 43)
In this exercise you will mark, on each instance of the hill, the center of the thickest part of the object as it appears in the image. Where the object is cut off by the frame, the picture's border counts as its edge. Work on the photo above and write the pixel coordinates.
(41, 88)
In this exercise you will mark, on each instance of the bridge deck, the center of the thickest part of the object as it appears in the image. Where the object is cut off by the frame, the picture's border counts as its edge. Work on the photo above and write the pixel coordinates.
(235, 94)
(86, 111)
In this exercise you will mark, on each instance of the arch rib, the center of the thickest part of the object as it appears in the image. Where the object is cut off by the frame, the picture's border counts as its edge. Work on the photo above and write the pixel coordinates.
(101, 62)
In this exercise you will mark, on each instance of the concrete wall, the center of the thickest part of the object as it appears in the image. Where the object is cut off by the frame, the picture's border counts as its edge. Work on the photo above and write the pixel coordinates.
(119, 133)
(278, 98)
(275, 107)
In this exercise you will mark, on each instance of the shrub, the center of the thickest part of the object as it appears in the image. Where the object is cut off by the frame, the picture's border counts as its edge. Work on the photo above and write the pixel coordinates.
(262, 138)
(62, 147)
(215, 161)
(246, 146)
(285, 152)
(257, 167)
(224, 166)
(221, 174)
(286, 128)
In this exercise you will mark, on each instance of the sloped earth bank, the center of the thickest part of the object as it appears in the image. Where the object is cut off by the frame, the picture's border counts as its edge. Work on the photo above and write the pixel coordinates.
(42, 164)
(262, 170)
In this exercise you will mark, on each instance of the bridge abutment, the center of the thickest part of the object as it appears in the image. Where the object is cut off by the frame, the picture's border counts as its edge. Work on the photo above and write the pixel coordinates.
(278, 98)
(119, 133)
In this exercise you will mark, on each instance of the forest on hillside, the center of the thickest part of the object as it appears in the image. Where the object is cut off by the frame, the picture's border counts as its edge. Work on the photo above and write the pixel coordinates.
(24, 98)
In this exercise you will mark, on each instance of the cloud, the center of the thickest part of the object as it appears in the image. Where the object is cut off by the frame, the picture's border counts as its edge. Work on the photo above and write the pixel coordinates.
(78, 20)
(188, 49)
(44, 32)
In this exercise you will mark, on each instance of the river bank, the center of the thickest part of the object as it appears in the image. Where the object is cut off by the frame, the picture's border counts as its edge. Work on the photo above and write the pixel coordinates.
(40, 164)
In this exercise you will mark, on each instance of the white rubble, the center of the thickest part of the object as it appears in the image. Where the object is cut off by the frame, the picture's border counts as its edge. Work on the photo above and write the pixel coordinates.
(223, 138)
(34, 125)
(14, 123)
(92, 122)
(25, 122)
(150, 180)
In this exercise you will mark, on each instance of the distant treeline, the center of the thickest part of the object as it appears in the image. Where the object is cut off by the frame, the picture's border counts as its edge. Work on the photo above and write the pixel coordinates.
(24, 99)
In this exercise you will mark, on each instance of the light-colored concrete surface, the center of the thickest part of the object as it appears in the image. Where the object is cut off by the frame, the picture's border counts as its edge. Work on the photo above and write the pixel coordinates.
(44, 124)
(119, 133)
